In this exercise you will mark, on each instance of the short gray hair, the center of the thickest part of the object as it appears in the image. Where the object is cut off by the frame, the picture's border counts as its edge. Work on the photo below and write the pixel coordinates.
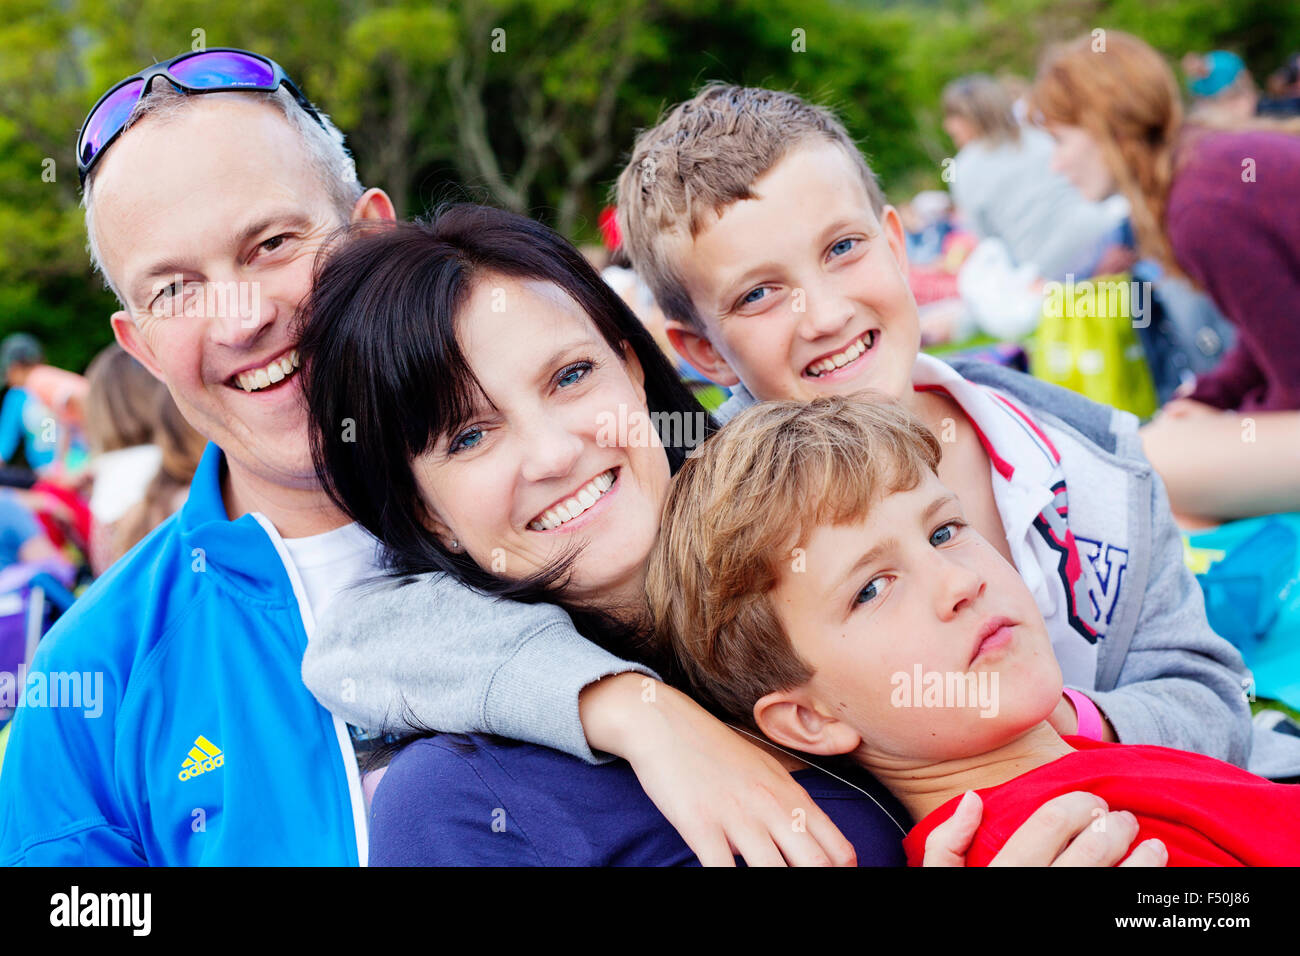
(326, 150)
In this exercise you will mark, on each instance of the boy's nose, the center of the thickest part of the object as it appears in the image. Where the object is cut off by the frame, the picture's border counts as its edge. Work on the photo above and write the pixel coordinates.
(826, 315)
(957, 588)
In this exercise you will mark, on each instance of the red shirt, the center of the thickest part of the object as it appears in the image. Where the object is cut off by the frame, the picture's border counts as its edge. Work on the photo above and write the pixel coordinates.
(1207, 812)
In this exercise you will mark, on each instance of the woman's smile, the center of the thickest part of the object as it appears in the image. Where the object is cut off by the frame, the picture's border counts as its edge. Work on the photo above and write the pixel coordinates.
(579, 509)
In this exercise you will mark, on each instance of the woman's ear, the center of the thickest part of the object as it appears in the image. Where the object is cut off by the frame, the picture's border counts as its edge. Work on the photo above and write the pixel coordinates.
(795, 719)
(433, 521)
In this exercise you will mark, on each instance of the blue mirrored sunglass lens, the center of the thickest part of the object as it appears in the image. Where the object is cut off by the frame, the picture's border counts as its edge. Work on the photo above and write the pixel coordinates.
(219, 70)
(110, 117)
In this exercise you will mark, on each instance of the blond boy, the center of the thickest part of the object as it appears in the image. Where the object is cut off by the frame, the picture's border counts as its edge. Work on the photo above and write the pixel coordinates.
(782, 272)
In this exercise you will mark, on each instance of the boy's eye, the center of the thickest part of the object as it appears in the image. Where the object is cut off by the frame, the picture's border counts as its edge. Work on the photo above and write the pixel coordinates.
(843, 247)
(466, 439)
(871, 591)
(754, 295)
(944, 533)
(270, 245)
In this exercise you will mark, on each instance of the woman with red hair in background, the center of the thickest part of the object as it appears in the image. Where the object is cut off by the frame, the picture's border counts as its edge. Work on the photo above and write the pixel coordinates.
(1220, 206)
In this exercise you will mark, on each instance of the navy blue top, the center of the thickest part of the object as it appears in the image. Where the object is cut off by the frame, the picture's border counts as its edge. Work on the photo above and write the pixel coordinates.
(477, 800)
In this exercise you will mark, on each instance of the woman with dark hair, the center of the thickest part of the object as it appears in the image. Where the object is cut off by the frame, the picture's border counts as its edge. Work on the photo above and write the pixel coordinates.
(492, 412)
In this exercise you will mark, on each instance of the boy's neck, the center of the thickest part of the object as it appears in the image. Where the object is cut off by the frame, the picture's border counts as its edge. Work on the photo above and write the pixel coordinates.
(924, 788)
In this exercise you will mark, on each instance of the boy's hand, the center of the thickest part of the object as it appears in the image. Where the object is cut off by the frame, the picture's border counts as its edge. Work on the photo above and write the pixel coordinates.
(724, 795)
(1074, 829)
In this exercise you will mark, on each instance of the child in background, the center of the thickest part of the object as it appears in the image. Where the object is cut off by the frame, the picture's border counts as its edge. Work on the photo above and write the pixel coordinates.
(816, 580)
(44, 409)
(767, 243)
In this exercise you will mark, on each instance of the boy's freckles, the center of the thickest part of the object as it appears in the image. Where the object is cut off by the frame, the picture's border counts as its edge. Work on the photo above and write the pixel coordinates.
(801, 288)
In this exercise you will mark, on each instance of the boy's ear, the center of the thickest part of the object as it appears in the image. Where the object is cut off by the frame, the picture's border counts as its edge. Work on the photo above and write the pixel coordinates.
(892, 223)
(695, 348)
(793, 719)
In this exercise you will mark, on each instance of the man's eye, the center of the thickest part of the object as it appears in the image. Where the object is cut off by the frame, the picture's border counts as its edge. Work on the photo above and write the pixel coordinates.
(843, 247)
(466, 439)
(871, 591)
(943, 534)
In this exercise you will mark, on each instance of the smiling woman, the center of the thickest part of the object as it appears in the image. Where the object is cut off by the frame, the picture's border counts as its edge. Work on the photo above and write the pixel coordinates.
(468, 443)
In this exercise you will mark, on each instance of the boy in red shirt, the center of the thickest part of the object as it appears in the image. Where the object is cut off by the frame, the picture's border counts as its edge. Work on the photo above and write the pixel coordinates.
(815, 580)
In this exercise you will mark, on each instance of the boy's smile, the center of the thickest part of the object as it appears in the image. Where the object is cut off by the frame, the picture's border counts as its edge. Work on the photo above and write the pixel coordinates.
(802, 289)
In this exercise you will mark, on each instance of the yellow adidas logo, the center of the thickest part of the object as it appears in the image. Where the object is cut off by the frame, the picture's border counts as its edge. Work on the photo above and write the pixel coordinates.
(204, 756)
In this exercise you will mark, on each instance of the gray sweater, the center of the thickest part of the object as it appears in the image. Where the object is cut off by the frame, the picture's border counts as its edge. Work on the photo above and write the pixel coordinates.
(458, 661)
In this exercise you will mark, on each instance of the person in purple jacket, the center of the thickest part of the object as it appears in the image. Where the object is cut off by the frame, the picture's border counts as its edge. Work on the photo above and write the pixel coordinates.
(1221, 207)
(516, 427)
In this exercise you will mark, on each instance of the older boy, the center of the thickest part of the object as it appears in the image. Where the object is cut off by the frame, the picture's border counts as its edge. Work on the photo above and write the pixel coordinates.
(767, 242)
(817, 581)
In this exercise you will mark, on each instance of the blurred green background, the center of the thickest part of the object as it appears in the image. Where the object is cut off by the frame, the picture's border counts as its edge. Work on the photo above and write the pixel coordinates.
(433, 113)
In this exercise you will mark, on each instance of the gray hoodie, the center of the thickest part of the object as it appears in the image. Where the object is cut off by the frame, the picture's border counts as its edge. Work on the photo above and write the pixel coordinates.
(459, 661)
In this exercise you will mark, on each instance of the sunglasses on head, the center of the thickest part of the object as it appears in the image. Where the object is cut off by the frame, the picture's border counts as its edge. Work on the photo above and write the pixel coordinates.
(220, 69)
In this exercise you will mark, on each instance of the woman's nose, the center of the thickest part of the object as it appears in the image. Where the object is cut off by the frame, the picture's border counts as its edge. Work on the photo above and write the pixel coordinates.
(550, 451)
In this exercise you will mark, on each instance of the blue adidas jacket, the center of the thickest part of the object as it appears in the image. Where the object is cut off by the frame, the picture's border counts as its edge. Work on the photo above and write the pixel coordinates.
(208, 748)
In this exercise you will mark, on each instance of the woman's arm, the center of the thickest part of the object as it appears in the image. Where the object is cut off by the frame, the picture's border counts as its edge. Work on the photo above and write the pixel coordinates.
(437, 654)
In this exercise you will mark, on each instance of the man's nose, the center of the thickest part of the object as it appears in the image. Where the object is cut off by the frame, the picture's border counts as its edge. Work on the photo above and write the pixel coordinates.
(237, 311)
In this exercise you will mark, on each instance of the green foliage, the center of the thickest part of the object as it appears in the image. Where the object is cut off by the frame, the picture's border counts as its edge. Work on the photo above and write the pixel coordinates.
(434, 110)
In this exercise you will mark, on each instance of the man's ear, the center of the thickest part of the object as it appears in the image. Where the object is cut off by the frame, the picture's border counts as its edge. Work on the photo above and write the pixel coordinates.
(134, 344)
(793, 719)
(374, 204)
(892, 223)
(696, 349)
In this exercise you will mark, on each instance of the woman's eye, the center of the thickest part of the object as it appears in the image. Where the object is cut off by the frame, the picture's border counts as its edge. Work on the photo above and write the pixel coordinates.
(871, 591)
(843, 247)
(573, 374)
(943, 535)
(466, 439)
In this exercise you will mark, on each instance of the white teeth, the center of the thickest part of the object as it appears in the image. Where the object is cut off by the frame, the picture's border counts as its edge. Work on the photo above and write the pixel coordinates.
(273, 372)
(840, 359)
(586, 497)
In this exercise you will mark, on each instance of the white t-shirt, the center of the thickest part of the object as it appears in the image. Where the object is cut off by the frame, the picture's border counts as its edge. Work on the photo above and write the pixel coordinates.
(330, 562)
(121, 478)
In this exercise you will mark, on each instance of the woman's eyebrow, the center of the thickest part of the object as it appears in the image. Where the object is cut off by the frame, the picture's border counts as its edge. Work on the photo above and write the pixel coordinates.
(557, 356)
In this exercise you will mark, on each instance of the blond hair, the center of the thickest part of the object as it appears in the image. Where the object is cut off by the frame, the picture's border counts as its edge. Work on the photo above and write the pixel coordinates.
(756, 490)
(704, 155)
(986, 104)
